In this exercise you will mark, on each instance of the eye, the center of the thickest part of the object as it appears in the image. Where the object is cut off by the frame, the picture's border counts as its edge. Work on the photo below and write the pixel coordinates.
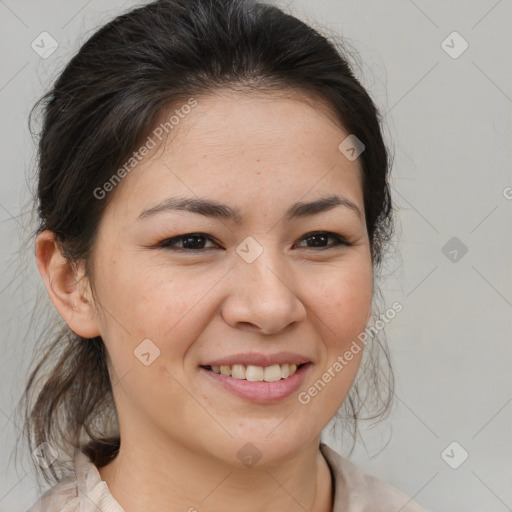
(190, 241)
(319, 237)
(195, 242)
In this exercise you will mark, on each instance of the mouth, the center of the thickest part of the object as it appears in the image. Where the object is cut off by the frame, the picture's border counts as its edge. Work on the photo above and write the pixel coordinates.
(253, 373)
(263, 386)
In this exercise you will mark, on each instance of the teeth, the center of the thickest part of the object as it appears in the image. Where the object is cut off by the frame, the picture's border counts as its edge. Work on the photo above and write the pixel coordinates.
(257, 373)
(237, 371)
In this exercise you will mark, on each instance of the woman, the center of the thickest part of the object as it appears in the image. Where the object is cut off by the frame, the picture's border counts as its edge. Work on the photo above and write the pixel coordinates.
(214, 200)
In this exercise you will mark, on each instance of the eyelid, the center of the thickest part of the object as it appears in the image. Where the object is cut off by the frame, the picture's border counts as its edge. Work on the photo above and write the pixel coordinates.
(163, 243)
(341, 241)
(339, 238)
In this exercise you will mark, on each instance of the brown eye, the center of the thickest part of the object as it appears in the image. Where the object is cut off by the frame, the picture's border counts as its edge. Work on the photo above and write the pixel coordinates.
(319, 239)
(196, 242)
(190, 242)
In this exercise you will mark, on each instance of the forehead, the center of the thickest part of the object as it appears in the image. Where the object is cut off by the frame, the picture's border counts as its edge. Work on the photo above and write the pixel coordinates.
(254, 124)
(253, 150)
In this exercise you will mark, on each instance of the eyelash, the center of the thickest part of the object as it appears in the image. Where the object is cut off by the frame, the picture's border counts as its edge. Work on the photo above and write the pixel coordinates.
(165, 244)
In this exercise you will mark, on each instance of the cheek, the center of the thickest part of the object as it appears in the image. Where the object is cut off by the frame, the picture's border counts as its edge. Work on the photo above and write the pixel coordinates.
(343, 301)
(151, 300)
(343, 304)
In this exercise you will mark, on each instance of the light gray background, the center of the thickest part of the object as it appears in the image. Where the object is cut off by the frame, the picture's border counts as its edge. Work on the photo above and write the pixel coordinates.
(449, 122)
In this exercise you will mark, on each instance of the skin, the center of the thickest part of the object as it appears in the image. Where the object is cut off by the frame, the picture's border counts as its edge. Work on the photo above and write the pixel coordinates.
(181, 434)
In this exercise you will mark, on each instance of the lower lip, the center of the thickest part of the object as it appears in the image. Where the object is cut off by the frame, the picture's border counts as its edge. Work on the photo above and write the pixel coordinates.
(261, 392)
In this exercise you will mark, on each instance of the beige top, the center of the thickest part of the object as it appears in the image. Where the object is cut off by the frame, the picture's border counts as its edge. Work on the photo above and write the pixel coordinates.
(354, 490)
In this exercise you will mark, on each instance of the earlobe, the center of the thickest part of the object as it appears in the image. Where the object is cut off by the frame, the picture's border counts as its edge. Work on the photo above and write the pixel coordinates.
(66, 286)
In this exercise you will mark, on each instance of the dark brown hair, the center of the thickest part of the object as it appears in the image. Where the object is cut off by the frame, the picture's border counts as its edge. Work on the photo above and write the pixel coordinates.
(104, 103)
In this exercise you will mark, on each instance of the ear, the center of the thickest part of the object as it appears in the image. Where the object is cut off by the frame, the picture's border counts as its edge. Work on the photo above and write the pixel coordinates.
(66, 285)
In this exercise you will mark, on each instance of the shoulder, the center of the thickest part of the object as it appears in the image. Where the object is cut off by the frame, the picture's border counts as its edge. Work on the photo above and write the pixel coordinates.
(82, 491)
(357, 491)
(62, 497)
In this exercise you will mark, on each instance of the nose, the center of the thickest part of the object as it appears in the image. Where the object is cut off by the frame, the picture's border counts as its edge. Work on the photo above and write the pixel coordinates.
(262, 296)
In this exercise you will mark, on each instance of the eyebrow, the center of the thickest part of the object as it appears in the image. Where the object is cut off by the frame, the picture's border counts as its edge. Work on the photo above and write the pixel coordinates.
(214, 209)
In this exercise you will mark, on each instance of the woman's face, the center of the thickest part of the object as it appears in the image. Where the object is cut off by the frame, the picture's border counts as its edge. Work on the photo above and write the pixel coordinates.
(260, 284)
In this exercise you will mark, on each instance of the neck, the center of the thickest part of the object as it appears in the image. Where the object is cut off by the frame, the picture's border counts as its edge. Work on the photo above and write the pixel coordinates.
(153, 477)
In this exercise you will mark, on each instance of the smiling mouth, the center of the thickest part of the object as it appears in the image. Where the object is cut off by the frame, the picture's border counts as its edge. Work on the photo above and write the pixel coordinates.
(260, 385)
(256, 373)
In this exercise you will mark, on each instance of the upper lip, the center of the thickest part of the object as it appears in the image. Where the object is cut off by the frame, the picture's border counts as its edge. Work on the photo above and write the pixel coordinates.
(258, 359)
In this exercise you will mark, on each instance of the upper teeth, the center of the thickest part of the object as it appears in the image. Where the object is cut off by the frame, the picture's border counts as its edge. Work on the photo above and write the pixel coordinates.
(257, 373)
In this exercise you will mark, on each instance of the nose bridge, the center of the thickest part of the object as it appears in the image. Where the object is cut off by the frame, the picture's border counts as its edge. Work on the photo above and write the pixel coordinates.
(262, 292)
(267, 273)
